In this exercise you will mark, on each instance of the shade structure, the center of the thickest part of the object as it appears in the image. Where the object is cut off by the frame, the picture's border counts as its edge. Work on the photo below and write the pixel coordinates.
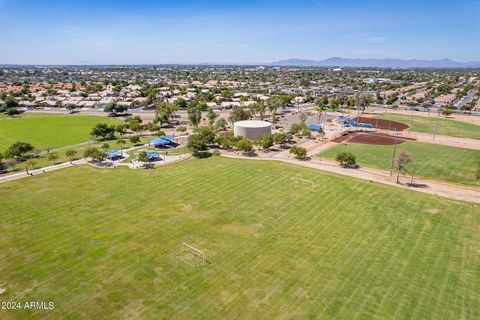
(168, 138)
(113, 154)
(159, 142)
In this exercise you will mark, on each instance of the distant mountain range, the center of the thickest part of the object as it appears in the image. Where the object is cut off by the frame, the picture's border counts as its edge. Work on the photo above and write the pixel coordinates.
(377, 63)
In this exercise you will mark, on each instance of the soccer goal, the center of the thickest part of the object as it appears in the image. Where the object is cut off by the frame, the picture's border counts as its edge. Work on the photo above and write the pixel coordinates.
(299, 181)
(192, 256)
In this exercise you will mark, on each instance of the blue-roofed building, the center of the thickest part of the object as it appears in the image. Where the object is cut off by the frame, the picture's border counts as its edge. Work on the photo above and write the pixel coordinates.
(113, 154)
(315, 127)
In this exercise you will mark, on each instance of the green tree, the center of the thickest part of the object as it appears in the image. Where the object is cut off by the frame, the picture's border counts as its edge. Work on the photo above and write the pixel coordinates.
(114, 109)
(280, 139)
(211, 116)
(70, 107)
(446, 112)
(402, 160)
(227, 140)
(94, 154)
(365, 101)
(181, 103)
(134, 139)
(103, 131)
(322, 103)
(206, 133)
(164, 111)
(266, 142)
(244, 145)
(196, 144)
(239, 114)
(12, 112)
(194, 116)
(121, 128)
(31, 162)
(70, 154)
(9, 103)
(346, 159)
(18, 150)
(298, 152)
(143, 157)
(53, 157)
(221, 124)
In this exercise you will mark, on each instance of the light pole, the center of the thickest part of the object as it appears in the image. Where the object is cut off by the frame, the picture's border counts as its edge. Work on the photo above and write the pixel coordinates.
(393, 156)
(413, 172)
(411, 120)
(436, 125)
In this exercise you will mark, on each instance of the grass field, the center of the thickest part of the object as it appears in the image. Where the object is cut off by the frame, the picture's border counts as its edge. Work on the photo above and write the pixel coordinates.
(446, 127)
(432, 161)
(55, 131)
(102, 244)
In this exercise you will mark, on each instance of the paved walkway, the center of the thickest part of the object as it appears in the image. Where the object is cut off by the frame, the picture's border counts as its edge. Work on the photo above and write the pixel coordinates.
(108, 164)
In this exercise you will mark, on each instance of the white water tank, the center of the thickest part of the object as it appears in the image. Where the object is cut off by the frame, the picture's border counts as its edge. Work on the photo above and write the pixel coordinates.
(251, 129)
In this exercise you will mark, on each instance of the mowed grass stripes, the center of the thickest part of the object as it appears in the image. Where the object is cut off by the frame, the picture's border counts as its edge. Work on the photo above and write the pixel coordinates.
(432, 161)
(445, 127)
(103, 243)
(46, 131)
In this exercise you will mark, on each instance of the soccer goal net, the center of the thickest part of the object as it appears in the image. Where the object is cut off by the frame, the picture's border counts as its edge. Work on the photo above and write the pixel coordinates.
(193, 256)
(300, 181)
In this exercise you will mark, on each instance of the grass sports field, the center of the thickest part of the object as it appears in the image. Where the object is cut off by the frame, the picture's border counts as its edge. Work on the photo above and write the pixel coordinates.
(102, 244)
(433, 161)
(446, 127)
(55, 131)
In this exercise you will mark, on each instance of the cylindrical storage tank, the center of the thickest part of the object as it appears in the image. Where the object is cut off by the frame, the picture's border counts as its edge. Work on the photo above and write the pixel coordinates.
(251, 129)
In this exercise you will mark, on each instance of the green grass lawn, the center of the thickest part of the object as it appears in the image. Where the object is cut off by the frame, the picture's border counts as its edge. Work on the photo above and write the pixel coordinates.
(433, 161)
(446, 127)
(103, 244)
(55, 131)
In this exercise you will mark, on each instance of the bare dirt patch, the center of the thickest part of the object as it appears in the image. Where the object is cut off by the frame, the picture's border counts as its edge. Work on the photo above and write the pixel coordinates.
(383, 124)
(371, 138)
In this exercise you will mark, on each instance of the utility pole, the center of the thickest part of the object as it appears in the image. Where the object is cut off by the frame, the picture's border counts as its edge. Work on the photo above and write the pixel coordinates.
(393, 156)
(411, 121)
(413, 173)
(436, 125)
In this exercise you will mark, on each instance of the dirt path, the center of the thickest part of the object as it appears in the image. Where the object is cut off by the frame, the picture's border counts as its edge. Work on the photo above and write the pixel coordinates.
(445, 140)
(459, 117)
(378, 176)
(442, 140)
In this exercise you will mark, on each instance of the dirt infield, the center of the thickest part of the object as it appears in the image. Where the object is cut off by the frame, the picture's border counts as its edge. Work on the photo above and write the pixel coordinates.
(370, 138)
(383, 124)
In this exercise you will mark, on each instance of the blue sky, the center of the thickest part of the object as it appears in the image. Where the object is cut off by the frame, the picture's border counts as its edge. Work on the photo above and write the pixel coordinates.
(230, 31)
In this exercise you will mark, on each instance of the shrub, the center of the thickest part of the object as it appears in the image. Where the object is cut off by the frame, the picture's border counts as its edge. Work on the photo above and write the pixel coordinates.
(346, 159)
(244, 145)
(298, 152)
